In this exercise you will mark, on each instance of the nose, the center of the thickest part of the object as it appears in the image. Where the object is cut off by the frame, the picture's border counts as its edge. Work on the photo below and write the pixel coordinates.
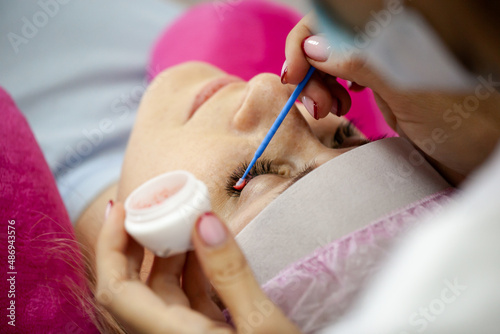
(265, 98)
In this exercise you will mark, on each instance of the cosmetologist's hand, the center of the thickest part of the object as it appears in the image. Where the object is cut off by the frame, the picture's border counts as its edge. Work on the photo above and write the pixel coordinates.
(176, 297)
(456, 132)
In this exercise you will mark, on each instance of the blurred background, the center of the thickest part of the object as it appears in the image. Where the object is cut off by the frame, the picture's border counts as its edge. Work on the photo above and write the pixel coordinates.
(301, 5)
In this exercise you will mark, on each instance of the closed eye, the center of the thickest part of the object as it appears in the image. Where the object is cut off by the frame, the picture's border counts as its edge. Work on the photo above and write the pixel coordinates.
(261, 167)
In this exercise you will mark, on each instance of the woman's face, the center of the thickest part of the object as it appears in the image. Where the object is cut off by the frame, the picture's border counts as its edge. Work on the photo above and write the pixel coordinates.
(197, 118)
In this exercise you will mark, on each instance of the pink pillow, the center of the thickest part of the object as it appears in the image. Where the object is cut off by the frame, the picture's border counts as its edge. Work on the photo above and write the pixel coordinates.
(246, 38)
(47, 270)
(240, 37)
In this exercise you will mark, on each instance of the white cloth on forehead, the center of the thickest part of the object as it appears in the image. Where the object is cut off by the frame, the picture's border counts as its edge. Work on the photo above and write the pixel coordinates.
(351, 190)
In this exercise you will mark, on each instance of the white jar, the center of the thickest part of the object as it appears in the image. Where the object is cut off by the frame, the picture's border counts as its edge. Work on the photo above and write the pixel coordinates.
(162, 212)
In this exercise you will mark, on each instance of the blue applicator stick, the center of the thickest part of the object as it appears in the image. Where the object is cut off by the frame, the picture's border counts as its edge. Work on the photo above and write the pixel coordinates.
(291, 101)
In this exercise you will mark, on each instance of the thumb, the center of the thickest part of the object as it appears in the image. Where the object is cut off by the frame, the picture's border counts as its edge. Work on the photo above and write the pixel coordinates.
(340, 61)
(226, 267)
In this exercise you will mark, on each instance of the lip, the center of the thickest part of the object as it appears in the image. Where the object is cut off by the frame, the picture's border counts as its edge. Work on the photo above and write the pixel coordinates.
(210, 90)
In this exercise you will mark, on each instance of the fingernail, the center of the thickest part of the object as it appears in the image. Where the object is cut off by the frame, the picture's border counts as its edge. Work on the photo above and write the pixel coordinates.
(335, 108)
(211, 230)
(311, 106)
(349, 84)
(316, 48)
(108, 208)
(284, 71)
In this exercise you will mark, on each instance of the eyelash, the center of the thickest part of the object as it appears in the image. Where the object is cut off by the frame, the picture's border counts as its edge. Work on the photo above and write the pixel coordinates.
(261, 167)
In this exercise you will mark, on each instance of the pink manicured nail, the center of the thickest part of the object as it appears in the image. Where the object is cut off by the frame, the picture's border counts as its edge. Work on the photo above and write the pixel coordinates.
(317, 48)
(108, 209)
(284, 71)
(211, 230)
(311, 106)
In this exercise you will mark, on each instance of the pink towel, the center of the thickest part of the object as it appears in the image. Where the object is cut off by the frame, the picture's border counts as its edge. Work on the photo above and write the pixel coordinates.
(47, 265)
